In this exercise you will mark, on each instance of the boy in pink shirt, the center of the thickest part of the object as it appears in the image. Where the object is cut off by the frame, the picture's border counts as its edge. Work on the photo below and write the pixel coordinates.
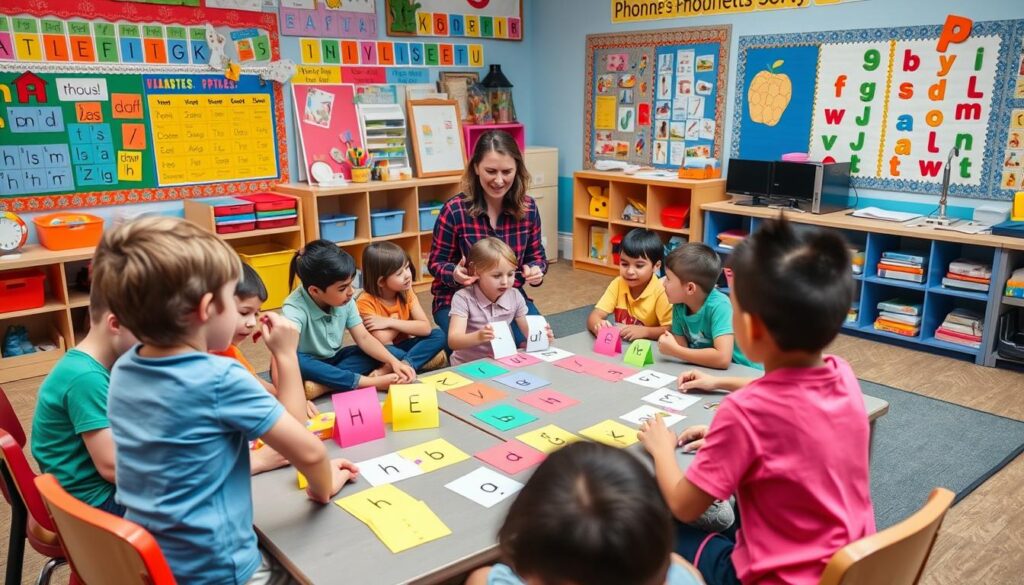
(792, 445)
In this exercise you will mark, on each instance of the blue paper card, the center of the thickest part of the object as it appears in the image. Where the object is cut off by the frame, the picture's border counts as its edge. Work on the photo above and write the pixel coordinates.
(524, 381)
(504, 417)
(481, 370)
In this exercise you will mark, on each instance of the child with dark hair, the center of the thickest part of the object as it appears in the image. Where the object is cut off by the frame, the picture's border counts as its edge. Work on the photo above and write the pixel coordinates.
(322, 311)
(636, 298)
(701, 330)
(590, 515)
(793, 444)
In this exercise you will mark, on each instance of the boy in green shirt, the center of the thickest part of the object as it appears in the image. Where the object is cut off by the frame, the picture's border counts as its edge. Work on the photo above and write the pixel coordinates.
(70, 432)
(701, 330)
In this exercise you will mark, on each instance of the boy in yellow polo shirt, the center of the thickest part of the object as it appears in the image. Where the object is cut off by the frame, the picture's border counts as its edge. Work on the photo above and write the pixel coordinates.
(636, 298)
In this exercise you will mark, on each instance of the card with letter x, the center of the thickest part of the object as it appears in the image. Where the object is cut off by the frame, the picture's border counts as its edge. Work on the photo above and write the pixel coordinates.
(524, 381)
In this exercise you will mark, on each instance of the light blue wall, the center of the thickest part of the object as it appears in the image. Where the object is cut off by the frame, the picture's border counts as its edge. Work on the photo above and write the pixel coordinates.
(560, 28)
(514, 57)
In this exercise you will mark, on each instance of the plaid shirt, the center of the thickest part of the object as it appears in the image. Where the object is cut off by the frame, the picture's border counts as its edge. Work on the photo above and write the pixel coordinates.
(456, 231)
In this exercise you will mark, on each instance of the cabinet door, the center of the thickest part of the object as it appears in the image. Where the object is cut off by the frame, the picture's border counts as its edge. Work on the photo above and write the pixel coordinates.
(547, 205)
(542, 162)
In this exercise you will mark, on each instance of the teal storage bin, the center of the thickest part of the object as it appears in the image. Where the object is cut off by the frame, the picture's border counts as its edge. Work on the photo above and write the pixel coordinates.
(428, 215)
(386, 222)
(339, 227)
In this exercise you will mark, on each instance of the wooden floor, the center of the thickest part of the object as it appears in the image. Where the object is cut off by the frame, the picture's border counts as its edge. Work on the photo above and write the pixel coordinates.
(982, 540)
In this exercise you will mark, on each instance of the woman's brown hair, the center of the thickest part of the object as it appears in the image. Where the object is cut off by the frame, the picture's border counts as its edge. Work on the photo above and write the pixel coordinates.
(514, 202)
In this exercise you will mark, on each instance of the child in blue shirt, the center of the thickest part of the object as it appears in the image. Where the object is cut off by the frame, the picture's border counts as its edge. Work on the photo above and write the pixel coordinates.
(701, 331)
(182, 418)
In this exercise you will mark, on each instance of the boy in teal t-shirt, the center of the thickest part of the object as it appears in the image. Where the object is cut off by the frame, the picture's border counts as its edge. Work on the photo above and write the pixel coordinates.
(70, 432)
(701, 331)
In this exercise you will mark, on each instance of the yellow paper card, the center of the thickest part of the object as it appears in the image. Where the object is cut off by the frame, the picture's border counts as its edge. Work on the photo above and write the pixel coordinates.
(386, 409)
(408, 526)
(604, 112)
(412, 406)
(433, 455)
(611, 433)
(548, 439)
(366, 503)
(445, 381)
(303, 482)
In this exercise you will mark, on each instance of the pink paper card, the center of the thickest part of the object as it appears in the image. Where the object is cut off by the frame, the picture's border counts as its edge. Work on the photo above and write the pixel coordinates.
(357, 417)
(511, 457)
(612, 372)
(548, 400)
(579, 364)
(519, 360)
(608, 341)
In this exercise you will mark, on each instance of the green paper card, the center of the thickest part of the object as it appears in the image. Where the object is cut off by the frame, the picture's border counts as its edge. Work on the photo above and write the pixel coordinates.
(639, 353)
(481, 370)
(504, 417)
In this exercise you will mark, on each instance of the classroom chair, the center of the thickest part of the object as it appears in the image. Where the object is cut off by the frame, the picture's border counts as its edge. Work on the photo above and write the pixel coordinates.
(19, 516)
(100, 547)
(39, 529)
(896, 555)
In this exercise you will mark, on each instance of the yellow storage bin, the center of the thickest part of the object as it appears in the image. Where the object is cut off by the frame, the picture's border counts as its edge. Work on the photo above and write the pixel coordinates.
(271, 262)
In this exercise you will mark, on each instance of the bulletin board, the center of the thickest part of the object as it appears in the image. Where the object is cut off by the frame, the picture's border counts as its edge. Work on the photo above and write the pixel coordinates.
(121, 106)
(325, 115)
(892, 101)
(655, 97)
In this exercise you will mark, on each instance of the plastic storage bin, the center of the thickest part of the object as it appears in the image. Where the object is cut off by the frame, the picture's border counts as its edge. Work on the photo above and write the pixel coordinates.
(269, 201)
(21, 289)
(386, 222)
(339, 227)
(674, 217)
(230, 206)
(1010, 345)
(428, 215)
(276, 222)
(67, 231)
(271, 262)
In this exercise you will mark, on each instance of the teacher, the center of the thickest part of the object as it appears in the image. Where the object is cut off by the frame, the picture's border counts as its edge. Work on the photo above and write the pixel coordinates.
(493, 202)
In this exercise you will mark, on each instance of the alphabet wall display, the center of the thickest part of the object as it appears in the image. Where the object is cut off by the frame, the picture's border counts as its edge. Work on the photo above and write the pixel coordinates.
(891, 102)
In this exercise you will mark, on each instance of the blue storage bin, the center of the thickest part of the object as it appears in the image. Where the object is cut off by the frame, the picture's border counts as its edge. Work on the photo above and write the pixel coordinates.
(338, 227)
(386, 222)
(428, 215)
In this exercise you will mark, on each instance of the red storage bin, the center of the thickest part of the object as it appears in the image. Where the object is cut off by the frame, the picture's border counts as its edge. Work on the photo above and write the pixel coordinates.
(266, 224)
(269, 201)
(21, 289)
(230, 206)
(674, 217)
(234, 228)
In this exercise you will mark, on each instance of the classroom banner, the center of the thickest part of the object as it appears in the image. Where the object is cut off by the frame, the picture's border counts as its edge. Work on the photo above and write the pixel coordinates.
(639, 10)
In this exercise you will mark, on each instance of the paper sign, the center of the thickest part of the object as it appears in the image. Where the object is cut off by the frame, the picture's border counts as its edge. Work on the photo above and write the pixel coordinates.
(612, 372)
(548, 438)
(503, 344)
(387, 469)
(579, 364)
(537, 337)
(504, 417)
(671, 400)
(524, 381)
(651, 379)
(369, 502)
(604, 112)
(519, 360)
(477, 394)
(608, 341)
(638, 415)
(639, 353)
(358, 417)
(511, 457)
(126, 105)
(129, 165)
(89, 112)
(133, 136)
(434, 455)
(548, 400)
(481, 369)
(552, 354)
(485, 487)
(413, 406)
(611, 433)
(445, 381)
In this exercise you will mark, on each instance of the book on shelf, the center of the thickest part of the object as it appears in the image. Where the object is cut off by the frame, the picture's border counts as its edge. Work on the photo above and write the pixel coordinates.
(889, 327)
(918, 278)
(970, 268)
(905, 256)
(899, 305)
(892, 262)
(1016, 292)
(943, 334)
(900, 268)
(964, 317)
(964, 284)
(964, 329)
(964, 278)
(912, 320)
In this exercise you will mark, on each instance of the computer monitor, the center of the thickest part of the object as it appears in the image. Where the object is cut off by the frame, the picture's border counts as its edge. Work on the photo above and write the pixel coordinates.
(794, 181)
(749, 177)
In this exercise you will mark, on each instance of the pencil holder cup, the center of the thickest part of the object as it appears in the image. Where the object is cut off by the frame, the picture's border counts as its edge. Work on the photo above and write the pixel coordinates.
(360, 174)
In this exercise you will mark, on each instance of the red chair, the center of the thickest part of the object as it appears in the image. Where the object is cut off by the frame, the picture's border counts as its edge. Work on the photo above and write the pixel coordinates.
(39, 529)
(101, 547)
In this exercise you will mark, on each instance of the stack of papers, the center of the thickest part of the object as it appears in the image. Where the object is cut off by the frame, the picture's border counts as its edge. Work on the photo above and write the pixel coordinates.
(884, 215)
(399, 520)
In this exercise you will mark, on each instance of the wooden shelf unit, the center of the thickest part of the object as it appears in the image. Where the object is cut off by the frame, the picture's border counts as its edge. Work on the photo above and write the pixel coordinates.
(359, 199)
(201, 214)
(655, 193)
(875, 237)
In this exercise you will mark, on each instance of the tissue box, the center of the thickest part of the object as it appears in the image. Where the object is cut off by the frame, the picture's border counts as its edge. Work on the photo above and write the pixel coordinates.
(322, 425)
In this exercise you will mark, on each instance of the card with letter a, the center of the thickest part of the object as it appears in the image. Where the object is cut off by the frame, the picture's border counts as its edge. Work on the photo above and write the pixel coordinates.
(485, 486)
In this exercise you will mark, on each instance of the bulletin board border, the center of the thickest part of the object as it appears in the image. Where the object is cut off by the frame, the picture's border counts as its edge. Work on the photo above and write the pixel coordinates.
(1010, 33)
(114, 11)
(654, 39)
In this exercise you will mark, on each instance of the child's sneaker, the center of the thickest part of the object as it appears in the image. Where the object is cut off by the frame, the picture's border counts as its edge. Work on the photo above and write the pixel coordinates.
(315, 390)
(717, 518)
(26, 343)
(12, 343)
(436, 363)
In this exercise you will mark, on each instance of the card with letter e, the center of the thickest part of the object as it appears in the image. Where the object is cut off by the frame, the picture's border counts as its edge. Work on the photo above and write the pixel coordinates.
(485, 486)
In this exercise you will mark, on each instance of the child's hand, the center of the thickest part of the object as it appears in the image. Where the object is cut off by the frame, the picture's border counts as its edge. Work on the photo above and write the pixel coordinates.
(632, 332)
(666, 342)
(602, 324)
(311, 410)
(405, 372)
(533, 275)
(696, 380)
(342, 472)
(692, 438)
(281, 335)
(551, 334)
(376, 322)
(462, 275)
(485, 334)
(655, 436)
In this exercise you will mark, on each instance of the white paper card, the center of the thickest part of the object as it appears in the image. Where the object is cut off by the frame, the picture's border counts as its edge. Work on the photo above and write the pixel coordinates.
(671, 400)
(651, 379)
(485, 486)
(638, 415)
(387, 469)
(503, 344)
(537, 339)
(552, 354)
